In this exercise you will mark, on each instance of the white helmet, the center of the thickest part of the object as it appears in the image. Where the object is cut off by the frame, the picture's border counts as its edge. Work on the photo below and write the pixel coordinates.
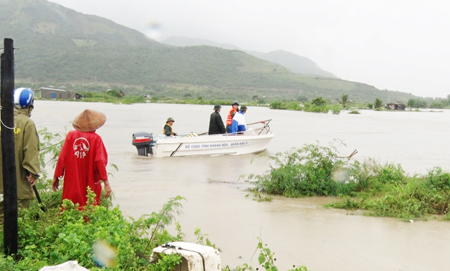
(23, 97)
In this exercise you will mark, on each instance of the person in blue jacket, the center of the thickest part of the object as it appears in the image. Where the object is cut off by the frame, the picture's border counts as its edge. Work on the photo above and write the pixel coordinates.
(239, 125)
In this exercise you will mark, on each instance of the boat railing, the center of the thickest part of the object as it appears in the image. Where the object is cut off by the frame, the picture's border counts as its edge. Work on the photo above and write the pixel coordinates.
(265, 129)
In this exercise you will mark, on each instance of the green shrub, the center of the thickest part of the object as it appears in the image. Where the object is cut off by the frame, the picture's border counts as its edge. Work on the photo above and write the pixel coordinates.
(307, 171)
(385, 191)
(266, 260)
(50, 238)
(277, 105)
(382, 190)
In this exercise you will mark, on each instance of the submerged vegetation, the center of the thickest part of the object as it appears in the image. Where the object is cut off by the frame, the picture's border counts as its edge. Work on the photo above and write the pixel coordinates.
(98, 236)
(380, 190)
(301, 103)
(266, 259)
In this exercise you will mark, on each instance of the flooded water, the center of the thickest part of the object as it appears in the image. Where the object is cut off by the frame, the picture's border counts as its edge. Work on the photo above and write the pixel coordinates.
(299, 231)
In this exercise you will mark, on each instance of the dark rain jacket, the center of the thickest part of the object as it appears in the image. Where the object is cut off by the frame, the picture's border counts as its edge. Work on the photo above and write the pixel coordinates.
(216, 124)
(167, 130)
(26, 145)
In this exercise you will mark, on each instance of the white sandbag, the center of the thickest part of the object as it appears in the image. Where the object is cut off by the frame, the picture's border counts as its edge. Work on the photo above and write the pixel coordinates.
(67, 266)
(195, 257)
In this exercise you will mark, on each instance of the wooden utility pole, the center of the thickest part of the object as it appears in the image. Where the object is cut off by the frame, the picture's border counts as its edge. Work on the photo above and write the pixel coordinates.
(8, 152)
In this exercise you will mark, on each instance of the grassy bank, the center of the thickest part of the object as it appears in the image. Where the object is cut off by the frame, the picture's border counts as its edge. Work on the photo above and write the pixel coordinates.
(380, 190)
(318, 105)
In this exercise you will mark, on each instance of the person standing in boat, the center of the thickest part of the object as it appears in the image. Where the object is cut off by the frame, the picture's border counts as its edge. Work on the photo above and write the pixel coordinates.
(234, 109)
(239, 125)
(83, 160)
(215, 122)
(167, 130)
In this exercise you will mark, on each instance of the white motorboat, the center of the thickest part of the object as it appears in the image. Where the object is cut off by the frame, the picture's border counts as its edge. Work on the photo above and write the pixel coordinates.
(251, 141)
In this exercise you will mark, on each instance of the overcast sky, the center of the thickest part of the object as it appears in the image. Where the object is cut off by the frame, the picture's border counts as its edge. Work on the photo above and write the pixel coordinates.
(401, 45)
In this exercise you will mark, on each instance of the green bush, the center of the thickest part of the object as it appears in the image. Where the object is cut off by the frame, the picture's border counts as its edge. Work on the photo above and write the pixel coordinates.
(382, 190)
(277, 105)
(266, 260)
(386, 191)
(378, 103)
(50, 238)
(307, 171)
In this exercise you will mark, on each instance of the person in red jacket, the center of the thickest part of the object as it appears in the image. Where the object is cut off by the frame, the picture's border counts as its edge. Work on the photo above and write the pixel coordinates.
(234, 109)
(83, 160)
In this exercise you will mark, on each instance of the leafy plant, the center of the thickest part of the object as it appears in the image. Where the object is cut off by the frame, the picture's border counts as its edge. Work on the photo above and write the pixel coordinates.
(307, 171)
(266, 259)
(378, 103)
(203, 240)
(319, 101)
(55, 238)
(386, 191)
(344, 100)
(50, 146)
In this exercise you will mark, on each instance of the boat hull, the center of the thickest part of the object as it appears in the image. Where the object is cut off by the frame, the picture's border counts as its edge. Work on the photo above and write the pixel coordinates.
(211, 145)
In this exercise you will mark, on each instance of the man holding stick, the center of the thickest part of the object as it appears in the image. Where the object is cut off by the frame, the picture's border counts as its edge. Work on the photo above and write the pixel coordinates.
(26, 145)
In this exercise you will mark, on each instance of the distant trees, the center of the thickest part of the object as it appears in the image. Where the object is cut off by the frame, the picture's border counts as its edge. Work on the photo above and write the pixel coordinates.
(441, 103)
(416, 103)
(344, 100)
(114, 93)
(277, 105)
(378, 103)
(319, 101)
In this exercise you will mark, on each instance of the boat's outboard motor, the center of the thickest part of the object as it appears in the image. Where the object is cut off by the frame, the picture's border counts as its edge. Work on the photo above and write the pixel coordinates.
(143, 142)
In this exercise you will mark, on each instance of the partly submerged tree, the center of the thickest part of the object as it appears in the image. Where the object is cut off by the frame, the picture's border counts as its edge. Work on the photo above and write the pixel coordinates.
(378, 103)
(344, 100)
(319, 101)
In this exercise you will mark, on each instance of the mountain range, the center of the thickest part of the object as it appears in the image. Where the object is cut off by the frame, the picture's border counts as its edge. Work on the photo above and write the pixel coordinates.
(296, 63)
(59, 46)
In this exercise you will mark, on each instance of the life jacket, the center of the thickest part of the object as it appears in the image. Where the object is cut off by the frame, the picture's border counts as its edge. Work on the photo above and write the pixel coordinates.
(230, 116)
(164, 128)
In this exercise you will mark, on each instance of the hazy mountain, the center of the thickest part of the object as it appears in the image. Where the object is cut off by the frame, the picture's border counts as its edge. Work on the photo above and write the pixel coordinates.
(43, 22)
(295, 63)
(184, 41)
(58, 46)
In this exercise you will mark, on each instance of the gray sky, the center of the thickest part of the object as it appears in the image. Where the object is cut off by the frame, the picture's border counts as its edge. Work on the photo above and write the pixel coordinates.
(401, 45)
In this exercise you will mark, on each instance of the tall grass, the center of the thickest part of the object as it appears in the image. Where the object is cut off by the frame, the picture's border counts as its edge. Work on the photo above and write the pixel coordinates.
(379, 189)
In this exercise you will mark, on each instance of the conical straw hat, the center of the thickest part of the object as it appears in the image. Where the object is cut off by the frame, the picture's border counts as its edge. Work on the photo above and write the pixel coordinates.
(89, 120)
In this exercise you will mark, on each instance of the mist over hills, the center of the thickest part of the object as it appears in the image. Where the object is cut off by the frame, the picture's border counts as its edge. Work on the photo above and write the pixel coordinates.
(59, 46)
(185, 41)
(295, 63)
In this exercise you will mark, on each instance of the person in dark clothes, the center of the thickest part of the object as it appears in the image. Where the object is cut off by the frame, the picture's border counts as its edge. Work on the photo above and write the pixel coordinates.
(167, 130)
(215, 122)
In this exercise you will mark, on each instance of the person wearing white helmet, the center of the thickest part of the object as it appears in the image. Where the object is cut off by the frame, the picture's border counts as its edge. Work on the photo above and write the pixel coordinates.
(26, 143)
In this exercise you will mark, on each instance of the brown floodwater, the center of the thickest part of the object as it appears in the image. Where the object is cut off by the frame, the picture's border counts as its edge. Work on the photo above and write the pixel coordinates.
(299, 231)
